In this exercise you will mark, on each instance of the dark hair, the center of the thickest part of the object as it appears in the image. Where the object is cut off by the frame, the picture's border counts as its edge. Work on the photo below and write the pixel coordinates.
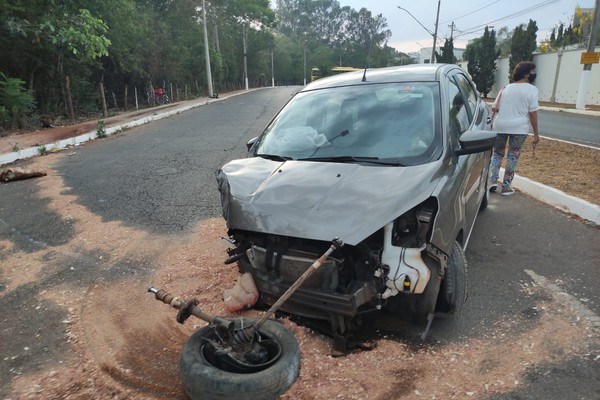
(458, 100)
(521, 69)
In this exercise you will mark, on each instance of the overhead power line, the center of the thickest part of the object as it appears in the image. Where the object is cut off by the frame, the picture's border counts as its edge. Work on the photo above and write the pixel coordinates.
(472, 12)
(511, 16)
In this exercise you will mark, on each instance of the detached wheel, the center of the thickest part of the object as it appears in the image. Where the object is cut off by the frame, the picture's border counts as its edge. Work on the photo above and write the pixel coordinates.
(201, 379)
(453, 290)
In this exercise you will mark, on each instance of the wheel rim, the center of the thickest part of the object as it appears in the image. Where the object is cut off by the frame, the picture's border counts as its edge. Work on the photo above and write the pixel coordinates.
(265, 352)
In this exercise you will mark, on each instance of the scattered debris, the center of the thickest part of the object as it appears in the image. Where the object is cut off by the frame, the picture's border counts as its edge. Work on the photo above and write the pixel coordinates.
(17, 174)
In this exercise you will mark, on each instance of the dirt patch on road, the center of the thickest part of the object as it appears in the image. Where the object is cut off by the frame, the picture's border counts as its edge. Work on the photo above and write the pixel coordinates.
(570, 168)
(125, 345)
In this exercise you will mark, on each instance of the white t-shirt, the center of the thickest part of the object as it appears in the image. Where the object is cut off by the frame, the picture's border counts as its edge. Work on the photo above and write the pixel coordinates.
(516, 102)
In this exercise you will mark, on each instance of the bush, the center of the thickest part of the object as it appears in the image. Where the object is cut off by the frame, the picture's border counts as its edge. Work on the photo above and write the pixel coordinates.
(15, 102)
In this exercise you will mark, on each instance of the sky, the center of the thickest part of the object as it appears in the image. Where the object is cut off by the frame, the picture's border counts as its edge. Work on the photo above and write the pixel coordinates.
(469, 16)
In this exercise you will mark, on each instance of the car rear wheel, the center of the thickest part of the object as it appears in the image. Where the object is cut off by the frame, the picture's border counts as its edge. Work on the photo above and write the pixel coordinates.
(453, 290)
(202, 379)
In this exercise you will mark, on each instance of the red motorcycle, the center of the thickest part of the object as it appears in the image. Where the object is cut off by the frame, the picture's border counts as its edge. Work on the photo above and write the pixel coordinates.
(159, 96)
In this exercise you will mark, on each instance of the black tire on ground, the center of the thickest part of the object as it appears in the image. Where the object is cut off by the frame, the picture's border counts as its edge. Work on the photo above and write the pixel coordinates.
(202, 380)
(453, 290)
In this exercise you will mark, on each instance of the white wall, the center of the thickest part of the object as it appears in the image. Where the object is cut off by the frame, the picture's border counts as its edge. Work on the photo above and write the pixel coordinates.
(557, 78)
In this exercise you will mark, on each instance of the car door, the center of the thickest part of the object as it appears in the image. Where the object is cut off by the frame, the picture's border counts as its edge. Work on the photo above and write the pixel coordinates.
(472, 166)
(476, 165)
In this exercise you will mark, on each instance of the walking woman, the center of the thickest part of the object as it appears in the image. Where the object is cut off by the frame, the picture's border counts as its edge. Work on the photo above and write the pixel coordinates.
(516, 107)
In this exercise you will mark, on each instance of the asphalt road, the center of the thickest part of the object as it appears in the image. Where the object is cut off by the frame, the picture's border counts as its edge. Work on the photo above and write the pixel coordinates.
(160, 178)
(572, 127)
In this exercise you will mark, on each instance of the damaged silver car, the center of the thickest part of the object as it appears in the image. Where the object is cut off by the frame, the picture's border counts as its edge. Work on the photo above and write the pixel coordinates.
(392, 161)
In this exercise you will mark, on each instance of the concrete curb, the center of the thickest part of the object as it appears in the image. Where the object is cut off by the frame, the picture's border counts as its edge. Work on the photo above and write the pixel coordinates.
(557, 198)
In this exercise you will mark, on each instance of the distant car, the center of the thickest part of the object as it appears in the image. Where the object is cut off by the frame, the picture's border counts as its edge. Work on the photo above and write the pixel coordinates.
(392, 161)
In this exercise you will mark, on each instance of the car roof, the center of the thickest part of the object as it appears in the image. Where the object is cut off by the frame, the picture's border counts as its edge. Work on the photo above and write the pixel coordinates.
(405, 73)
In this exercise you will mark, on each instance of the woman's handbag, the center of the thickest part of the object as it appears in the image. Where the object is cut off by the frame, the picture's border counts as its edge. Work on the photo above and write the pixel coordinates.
(496, 108)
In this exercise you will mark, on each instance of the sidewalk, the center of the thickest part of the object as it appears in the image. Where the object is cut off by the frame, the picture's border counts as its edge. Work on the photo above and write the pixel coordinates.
(26, 145)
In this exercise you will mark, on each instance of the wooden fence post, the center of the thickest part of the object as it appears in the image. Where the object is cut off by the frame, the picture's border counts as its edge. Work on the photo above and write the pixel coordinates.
(125, 99)
(115, 100)
(103, 99)
(69, 98)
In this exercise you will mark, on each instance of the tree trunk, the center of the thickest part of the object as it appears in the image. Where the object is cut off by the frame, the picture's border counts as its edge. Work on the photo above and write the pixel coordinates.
(103, 99)
(69, 98)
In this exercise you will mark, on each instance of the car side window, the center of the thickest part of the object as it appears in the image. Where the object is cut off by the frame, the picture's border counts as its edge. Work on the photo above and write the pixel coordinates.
(458, 120)
(470, 94)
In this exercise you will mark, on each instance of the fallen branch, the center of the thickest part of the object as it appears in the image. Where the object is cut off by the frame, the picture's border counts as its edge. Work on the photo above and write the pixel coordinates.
(17, 174)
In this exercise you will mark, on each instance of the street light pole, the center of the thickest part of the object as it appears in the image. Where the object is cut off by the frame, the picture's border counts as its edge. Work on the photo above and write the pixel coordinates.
(304, 66)
(245, 63)
(272, 72)
(207, 53)
(437, 18)
(587, 68)
(434, 34)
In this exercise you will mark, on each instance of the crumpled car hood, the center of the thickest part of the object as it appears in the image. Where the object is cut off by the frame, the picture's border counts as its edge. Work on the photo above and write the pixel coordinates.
(320, 200)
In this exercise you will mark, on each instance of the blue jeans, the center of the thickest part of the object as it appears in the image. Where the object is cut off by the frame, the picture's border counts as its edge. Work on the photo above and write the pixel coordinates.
(515, 143)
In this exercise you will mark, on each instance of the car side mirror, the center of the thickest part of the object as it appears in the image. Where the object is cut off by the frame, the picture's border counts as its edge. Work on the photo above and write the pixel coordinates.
(476, 142)
(251, 142)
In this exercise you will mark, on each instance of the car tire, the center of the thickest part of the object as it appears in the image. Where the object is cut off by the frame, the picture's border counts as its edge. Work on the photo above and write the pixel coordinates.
(202, 380)
(453, 289)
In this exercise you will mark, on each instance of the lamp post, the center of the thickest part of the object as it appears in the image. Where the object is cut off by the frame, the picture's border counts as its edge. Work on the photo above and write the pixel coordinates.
(207, 53)
(272, 72)
(245, 62)
(437, 18)
(304, 62)
(434, 34)
(587, 68)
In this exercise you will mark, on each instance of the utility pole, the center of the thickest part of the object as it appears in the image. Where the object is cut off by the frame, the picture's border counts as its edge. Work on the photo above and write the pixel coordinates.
(304, 66)
(207, 53)
(272, 72)
(245, 63)
(437, 18)
(451, 26)
(587, 68)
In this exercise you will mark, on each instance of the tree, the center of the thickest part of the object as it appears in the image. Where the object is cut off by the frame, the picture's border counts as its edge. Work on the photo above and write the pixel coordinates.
(447, 55)
(522, 45)
(62, 51)
(15, 102)
(503, 38)
(351, 36)
(481, 55)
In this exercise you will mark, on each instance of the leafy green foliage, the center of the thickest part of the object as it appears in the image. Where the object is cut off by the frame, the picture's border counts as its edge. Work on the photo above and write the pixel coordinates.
(101, 129)
(447, 55)
(84, 36)
(481, 54)
(15, 102)
(333, 35)
(523, 44)
(140, 44)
